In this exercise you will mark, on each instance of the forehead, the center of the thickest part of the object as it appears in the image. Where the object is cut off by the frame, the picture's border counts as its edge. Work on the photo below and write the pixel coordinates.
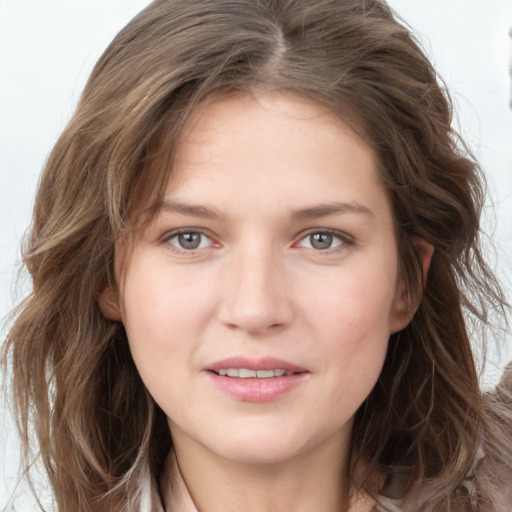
(274, 140)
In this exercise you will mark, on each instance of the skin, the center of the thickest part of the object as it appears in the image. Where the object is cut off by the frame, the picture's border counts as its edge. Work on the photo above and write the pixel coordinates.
(258, 286)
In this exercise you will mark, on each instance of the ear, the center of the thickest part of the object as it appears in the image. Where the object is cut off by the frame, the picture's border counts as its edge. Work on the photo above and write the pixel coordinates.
(108, 301)
(405, 306)
(424, 250)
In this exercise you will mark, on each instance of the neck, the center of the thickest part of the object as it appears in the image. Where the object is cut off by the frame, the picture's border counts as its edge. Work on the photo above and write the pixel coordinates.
(197, 481)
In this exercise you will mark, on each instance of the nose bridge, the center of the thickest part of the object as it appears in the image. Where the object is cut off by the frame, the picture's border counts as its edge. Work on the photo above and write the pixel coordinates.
(255, 296)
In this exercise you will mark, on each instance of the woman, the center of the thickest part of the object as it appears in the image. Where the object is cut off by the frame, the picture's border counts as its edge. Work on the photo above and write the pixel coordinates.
(255, 255)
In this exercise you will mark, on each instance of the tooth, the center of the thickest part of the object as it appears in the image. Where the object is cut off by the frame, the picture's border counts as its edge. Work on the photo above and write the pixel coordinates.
(244, 373)
(265, 374)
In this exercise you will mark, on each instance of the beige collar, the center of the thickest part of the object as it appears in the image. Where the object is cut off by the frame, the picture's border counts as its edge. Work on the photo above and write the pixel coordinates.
(175, 494)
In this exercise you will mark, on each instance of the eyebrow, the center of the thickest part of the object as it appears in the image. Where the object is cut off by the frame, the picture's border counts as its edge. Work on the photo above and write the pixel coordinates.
(190, 209)
(312, 212)
(324, 210)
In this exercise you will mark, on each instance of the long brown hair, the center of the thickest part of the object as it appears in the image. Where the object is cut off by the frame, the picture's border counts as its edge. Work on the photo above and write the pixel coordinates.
(98, 430)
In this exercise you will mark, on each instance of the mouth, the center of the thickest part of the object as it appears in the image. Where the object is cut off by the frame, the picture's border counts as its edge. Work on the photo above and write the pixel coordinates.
(256, 380)
(246, 373)
(254, 368)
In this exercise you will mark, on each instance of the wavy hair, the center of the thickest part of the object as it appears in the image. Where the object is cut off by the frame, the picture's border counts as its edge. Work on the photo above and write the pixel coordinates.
(99, 433)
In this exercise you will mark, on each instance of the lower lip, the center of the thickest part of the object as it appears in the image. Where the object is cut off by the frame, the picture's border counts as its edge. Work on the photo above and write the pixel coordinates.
(257, 390)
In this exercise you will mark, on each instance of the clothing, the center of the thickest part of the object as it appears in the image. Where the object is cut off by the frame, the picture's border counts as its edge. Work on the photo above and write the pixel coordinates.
(488, 486)
(179, 499)
(484, 475)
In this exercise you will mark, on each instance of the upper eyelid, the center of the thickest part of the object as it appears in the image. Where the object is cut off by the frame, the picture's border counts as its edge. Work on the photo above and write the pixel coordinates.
(340, 234)
(179, 231)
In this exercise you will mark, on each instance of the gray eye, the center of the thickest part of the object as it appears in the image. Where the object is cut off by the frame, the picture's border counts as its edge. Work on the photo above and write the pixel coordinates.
(189, 241)
(321, 241)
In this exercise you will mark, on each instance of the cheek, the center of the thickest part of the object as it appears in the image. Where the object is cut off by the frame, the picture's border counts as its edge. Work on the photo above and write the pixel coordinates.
(355, 305)
(351, 325)
(161, 318)
(162, 312)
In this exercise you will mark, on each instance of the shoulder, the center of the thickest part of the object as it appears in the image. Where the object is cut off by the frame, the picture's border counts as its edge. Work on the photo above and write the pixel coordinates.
(493, 474)
(488, 486)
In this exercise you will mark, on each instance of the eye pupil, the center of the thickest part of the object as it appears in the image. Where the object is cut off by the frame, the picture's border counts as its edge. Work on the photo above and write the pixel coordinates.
(189, 240)
(321, 240)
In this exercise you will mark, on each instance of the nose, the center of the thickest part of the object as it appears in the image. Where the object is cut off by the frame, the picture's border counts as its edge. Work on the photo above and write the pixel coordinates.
(255, 295)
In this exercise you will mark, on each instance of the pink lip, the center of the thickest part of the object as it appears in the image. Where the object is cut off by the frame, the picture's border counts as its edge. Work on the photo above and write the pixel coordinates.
(256, 390)
(265, 363)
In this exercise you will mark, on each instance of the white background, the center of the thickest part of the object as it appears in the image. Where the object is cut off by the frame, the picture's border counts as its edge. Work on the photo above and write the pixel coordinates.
(47, 49)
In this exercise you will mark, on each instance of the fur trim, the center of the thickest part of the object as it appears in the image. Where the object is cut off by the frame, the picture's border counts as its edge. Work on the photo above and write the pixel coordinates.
(493, 476)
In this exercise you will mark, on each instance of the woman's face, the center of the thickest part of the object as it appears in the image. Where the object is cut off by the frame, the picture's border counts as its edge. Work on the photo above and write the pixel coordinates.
(259, 302)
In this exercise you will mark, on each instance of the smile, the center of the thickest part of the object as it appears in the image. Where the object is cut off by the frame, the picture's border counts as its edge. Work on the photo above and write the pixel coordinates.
(244, 373)
(256, 380)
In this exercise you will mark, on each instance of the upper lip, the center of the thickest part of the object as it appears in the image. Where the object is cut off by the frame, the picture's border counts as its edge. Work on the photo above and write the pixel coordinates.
(265, 363)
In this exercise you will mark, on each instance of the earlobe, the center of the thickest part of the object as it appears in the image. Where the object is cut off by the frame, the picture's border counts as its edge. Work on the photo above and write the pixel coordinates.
(108, 302)
(401, 313)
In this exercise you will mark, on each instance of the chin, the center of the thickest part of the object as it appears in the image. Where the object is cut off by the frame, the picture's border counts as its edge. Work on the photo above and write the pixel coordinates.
(262, 446)
(260, 453)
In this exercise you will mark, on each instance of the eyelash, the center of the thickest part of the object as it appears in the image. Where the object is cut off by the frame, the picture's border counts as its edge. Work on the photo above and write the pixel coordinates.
(343, 240)
(175, 234)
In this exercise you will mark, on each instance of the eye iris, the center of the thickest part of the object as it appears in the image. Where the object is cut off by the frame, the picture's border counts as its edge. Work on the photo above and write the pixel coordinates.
(321, 240)
(189, 240)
